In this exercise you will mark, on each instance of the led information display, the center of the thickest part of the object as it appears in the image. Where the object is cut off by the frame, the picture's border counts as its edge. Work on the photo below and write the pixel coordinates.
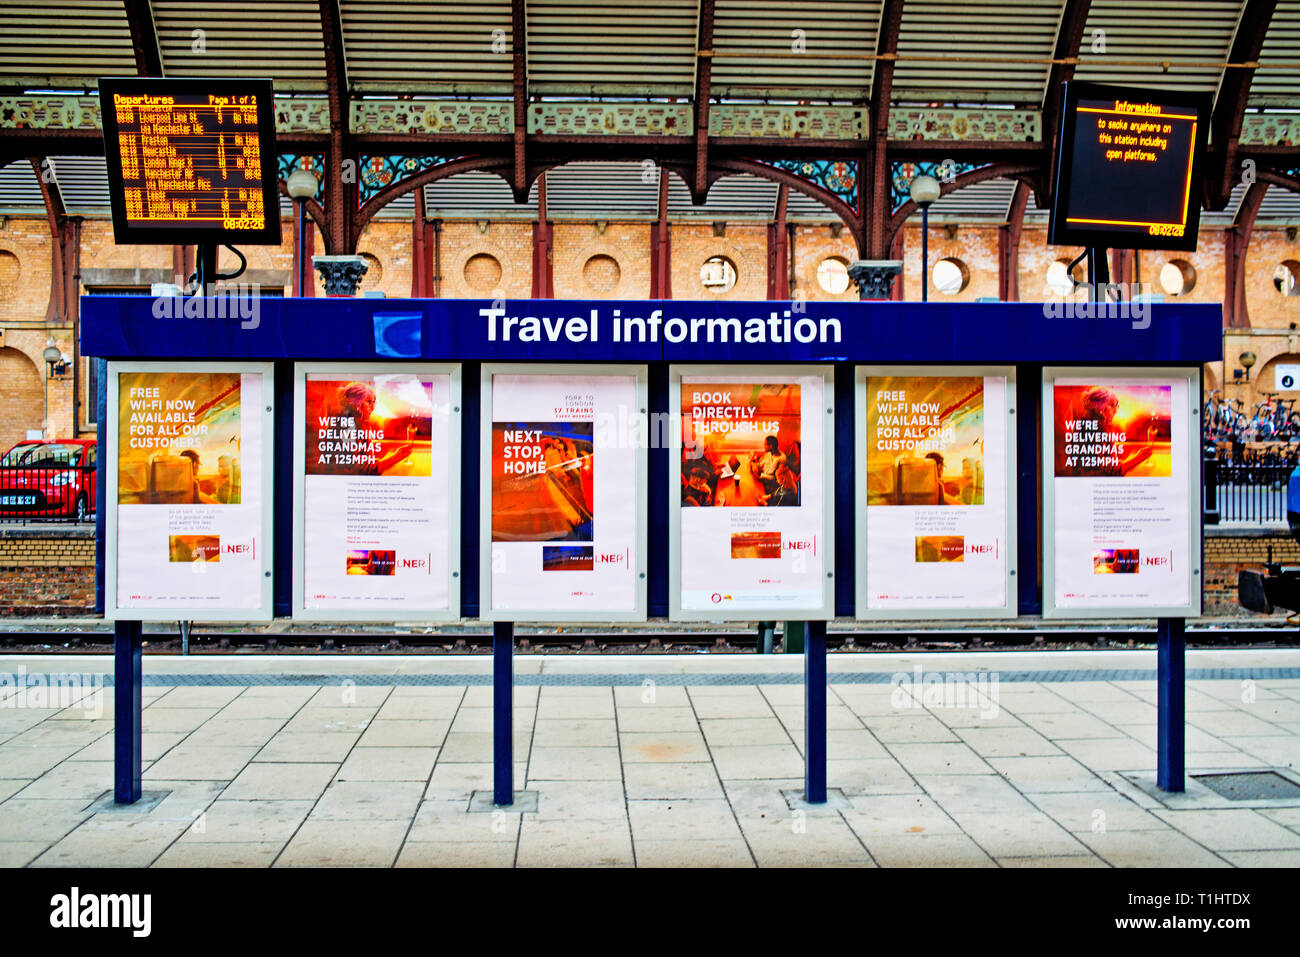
(1127, 170)
(191, 160)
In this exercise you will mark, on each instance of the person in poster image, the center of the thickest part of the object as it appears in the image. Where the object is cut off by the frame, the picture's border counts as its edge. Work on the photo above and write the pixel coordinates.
(200, 497)
(697, 492)
(765, 468)
(357, 402)
(1100, 405)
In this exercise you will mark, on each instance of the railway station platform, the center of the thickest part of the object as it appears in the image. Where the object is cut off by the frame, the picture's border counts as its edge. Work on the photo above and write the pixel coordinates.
(973, 759)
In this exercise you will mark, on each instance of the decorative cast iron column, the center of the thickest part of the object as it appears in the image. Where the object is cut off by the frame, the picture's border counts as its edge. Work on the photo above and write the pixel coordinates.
(341, 274)
(875, 277)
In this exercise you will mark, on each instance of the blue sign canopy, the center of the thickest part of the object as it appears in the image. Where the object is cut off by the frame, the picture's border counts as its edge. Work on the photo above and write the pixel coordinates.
(673, 330)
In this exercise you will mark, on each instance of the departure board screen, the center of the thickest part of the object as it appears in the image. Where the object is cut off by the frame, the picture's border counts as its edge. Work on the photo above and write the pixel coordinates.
(1128, 168)
(191, 161)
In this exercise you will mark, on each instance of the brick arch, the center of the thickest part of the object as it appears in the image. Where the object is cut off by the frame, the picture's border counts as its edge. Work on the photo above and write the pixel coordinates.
(20, 395)
(747, 262)
(1213, 376)
(629, 283)
(454, 270)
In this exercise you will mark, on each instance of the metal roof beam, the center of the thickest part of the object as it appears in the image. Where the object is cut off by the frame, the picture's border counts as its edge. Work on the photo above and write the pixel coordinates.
(519, 51)
(873, 167)
(57, 214)
(1235, 247)
(339, 212)
(1009, 244)
(144, 37)
(47, 179)
(703, 93)
(1065, 58)
(1230, 105)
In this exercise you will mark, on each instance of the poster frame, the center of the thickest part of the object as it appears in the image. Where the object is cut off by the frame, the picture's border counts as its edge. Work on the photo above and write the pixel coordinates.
(640, 373)
(861, 592)
(300, 372)
(826, 610)
(266, 607)
(1047, 460)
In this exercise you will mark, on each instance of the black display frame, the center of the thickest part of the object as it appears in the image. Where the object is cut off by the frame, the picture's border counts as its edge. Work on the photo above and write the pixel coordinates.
(127, 233)
(1060, 233)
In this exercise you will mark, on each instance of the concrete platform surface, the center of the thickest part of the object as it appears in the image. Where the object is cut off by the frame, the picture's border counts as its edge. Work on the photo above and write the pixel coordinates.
(973, 759)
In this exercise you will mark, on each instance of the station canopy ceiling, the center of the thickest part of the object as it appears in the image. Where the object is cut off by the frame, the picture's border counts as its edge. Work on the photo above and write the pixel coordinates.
(990, 54)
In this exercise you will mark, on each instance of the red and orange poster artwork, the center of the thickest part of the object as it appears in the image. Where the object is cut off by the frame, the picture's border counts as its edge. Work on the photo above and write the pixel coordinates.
(741, 445)
(369, 425)
(1113, 430)
(543, 476)
(752, 522)
(179, 438)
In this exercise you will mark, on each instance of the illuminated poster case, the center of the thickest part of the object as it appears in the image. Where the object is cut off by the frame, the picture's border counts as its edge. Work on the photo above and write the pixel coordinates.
(935, 492)
(563, 495)
(750, 503)
(1121, 493)
(189, 465)
(376, 492)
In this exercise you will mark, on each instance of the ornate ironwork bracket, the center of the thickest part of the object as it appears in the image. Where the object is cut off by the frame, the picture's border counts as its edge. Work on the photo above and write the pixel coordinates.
(380, 172)
(837, 177)
(902, 173)
(313, 163)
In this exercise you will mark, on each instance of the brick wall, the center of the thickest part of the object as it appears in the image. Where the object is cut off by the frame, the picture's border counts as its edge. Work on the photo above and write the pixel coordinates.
(1267, 307)
(20, 396)
(743, 244)
(480, 263)
(386, 247)
(812, 246)
(24, 268)
(975, 248)
(47, 572)
(615, 264)
(1227, 552)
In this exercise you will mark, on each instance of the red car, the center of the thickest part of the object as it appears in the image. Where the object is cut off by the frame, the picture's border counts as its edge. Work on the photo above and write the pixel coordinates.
(49, 477)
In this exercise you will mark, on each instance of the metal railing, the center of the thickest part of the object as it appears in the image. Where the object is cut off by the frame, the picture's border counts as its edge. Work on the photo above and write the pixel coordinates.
(1246, 492)
(47, 492)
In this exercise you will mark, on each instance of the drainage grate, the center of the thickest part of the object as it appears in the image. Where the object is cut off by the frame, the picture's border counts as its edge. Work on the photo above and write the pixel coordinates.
(1251, 786)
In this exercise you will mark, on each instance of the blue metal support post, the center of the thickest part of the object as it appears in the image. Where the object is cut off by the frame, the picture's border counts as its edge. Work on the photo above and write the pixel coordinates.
(1171, 697)
(127, 648)
(503, 682)
(815, 712)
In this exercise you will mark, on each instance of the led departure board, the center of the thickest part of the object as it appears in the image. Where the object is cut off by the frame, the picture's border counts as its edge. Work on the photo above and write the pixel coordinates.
(191, 161)
(1128, 168)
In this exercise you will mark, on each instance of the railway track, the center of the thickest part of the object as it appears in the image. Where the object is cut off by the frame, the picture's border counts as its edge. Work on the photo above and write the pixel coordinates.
(560, 642)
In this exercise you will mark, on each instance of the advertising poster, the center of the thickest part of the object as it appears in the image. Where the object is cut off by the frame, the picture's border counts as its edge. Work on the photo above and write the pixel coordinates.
(753, 516)
(189, 530)
(934, 492)
(1119, 457)
(565, 495)
(376, 451)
